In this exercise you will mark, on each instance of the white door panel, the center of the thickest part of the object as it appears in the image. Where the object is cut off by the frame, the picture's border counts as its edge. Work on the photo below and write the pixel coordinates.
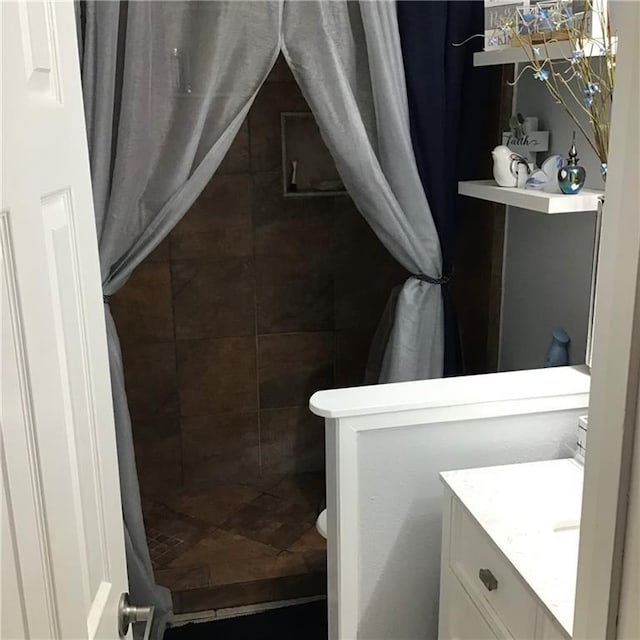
(63, 568)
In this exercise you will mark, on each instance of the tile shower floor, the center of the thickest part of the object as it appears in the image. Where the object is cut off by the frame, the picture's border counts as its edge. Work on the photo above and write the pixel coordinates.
(230, 545)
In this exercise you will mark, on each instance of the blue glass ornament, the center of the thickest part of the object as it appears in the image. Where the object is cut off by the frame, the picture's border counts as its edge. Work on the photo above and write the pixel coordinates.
(558, 353)
(603, 170)
(541, 74)
(571, 177)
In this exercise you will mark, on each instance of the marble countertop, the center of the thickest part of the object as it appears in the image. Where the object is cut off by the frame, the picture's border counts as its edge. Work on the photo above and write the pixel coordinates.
(531, 512)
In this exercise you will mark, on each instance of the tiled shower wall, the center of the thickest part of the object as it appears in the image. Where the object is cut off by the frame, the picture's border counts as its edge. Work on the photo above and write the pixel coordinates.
(254, 302)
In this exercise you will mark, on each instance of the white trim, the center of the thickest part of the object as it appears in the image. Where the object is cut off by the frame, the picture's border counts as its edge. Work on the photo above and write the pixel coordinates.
(21, 445)
(342, 530)
(616, 354)
(515, 55)
(531, 199)
(503, 279)
(449, 393)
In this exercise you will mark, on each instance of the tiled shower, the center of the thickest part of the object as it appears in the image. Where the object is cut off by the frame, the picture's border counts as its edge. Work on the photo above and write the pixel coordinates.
(255, 301)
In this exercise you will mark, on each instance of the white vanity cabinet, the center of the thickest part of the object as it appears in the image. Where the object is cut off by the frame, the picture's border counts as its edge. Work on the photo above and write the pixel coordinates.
(510, 551)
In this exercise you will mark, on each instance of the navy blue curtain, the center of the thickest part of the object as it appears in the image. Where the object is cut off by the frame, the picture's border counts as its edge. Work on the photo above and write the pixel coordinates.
(446, 104)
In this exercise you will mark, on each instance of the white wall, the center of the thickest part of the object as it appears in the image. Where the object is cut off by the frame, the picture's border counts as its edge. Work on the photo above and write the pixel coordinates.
(400, 508)
(547, 266)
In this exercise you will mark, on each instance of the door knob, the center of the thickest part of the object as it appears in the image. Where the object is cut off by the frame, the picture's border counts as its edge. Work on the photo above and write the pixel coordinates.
(128, 614)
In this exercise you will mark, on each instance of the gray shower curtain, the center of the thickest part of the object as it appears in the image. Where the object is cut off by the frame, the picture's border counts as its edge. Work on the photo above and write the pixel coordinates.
(166, 87)
(347, 60)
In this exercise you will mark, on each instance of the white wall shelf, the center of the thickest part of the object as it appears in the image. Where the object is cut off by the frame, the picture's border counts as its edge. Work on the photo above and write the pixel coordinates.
(511, 55)
(586, 200)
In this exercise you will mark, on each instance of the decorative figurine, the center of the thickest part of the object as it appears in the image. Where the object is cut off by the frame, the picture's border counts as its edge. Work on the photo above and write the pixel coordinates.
(558, 353)
(546, 178)
(507, 165)
(571, 176)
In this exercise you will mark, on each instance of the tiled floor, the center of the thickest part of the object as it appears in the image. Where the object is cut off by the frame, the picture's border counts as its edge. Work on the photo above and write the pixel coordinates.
(229, 545)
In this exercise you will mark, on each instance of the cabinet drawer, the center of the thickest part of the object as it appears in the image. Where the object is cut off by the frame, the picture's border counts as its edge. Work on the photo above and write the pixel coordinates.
(460, 619)
(498, 587)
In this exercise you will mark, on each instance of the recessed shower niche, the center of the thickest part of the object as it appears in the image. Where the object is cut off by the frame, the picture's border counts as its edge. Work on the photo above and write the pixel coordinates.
(307, 166)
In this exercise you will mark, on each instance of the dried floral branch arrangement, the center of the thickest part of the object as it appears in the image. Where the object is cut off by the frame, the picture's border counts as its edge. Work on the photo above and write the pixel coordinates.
(581, 83)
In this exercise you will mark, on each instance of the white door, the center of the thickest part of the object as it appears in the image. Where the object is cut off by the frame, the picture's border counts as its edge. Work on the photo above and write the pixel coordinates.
(63, 565)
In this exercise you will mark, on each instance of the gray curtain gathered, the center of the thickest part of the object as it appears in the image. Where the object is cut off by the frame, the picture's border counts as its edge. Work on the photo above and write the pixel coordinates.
(347, 59)
(166, 87)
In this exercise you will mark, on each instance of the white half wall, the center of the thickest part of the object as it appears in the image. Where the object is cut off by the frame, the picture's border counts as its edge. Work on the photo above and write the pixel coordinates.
(386, 446)
(400, 507)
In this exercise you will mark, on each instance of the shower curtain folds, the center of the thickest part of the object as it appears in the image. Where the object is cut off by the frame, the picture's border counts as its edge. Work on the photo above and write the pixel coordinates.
(167, 86)
(347, 59)
(442, 86)
(163, 102)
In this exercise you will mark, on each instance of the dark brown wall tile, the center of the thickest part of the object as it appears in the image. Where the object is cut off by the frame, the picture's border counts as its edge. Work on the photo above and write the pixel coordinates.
(280, 71)
(361, 297)
(294, 366)
(161, 253)
(365, 272)
(150, 380)
(294, 296)
(264, 122)
(217, 375)
(142, 308)
(297, 238)
(224, 447)
(218, 225)
(158, 458)
(291, 441)
(352, 352)
(213, 299)
(351, 230)
(238, 159)
(271, 207)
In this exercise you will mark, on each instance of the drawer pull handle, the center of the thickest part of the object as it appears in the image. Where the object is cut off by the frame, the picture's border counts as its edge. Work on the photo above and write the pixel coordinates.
(488, 579)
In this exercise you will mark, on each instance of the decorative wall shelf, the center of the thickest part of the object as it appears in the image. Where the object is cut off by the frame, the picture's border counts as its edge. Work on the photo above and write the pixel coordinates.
(511, 55)
(550, 203)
